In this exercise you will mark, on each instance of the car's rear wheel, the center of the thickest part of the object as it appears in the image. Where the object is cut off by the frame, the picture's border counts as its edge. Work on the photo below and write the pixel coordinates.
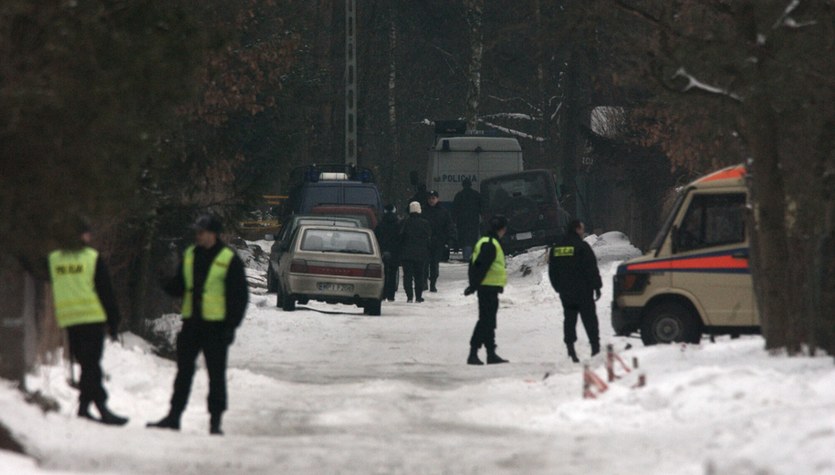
(670, 322)
(372, 307)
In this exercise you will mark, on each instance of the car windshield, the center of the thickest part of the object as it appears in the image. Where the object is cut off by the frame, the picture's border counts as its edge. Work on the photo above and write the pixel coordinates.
(326, 240)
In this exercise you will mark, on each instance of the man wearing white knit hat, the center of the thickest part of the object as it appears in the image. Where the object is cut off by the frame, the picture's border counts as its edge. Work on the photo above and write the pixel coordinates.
(415, 235)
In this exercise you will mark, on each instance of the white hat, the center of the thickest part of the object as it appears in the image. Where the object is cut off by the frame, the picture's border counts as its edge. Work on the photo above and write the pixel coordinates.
(414, 207)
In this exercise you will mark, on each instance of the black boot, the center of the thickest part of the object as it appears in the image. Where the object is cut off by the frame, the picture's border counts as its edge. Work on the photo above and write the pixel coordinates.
(84, 411)
(432, 287)
(473, 358)
(572, 354)
(214, 424)
(595, 347)
(108, 417)
(171, 421)
(493, 358)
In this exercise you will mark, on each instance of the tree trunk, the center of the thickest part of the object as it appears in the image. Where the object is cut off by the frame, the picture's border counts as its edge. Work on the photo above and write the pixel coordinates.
(769, 247)
(141, 278)
(18, 293)
(475, 14)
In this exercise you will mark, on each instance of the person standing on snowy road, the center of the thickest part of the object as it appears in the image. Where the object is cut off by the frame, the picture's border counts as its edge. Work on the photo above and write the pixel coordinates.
(466, 207)
(415, 234)
(212, 282)
(387, 233)
(487, 277)
(84, 304)
(443, 231)
(572, 269)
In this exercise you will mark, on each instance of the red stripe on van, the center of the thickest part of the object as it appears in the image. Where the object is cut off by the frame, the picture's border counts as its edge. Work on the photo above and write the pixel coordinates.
(722, 262)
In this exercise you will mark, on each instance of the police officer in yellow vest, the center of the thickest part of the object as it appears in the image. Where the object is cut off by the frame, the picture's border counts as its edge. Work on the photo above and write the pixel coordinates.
(84, 304)
(487, 277)
(212, 283)
(572, 269)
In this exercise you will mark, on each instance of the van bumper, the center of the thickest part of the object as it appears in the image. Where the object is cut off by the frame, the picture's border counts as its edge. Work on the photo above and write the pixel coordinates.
(625, 320)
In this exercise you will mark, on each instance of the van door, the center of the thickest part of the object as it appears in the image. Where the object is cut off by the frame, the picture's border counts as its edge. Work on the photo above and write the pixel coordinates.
(710, 257)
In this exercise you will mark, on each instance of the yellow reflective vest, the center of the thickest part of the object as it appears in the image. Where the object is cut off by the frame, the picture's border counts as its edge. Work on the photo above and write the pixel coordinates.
(73, 275)
(496, 274)
(214, 289)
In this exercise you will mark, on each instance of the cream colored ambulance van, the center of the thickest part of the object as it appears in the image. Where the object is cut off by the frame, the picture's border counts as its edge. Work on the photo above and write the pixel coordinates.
(695, 279)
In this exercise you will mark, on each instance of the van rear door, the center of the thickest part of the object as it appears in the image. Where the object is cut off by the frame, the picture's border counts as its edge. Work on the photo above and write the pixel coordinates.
(710, 256)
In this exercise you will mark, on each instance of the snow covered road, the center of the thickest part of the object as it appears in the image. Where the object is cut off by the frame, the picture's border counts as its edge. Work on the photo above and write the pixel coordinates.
(326, 389)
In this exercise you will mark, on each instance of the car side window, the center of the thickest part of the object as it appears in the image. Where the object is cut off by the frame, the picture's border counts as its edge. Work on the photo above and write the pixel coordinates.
(712, 220)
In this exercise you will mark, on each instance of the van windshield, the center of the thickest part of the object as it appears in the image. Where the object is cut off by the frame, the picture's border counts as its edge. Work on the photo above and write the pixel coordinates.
(668, 223)
(317, 195)
(499, 193)
(361, 195)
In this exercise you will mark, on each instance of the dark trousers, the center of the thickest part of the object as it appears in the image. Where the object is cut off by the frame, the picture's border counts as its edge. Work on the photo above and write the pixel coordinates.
(588, 313)
(484, 332)
(194, 338)
(86, 347)
(413, 275)
(433, 265)
(390, 278)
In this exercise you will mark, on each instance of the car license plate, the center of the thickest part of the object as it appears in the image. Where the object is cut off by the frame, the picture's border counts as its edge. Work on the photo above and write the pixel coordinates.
(523, 236)
(333, 287)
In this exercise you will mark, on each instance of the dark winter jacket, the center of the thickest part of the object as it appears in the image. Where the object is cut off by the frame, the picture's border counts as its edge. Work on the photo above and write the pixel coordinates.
(415, 234)
(443, 228)
(466, 208)
(572, 267)
(237, 292)
(479, 267)
(388, 235)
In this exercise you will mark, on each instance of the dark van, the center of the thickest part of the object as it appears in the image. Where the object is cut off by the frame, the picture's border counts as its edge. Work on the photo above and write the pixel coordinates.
(529, 201)
(332, 185)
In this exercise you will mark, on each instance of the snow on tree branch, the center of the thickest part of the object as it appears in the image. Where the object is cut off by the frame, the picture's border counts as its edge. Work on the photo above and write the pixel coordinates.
(517, 133)
(695, 83)
(788, 21)
(511, 115)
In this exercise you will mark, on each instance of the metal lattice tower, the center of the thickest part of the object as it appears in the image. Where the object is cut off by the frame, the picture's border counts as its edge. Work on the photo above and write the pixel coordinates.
(350, 83)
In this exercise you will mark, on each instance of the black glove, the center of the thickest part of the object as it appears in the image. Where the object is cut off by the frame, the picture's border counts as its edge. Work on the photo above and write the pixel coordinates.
(596, 295)
(229, 335)
(469, 291)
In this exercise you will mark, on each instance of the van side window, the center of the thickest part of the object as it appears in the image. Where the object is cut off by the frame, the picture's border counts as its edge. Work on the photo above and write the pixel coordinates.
(713, 220)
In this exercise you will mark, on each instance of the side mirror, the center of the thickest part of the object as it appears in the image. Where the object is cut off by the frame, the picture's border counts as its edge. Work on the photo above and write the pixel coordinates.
(269, 237)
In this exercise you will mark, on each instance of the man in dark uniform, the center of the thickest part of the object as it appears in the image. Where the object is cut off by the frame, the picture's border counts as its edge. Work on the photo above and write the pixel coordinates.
(213, 285)
(388, 236)
(415, 234)
(487, 277)
(84, 303)
(572, 268)
(443, 230)
(421, 196)
(466, 208)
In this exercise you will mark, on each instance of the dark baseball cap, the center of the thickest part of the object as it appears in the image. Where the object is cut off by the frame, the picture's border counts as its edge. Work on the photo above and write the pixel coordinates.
(208, 222)
(434, 193)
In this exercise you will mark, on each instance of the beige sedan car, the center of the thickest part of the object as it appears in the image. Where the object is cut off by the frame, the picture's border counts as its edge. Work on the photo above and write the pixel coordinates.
(332, 264)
